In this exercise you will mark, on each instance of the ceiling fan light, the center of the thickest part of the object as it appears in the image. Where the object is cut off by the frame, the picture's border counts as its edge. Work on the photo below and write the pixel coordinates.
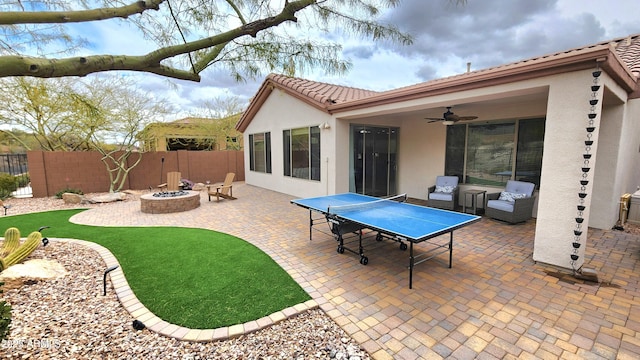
(448, 122)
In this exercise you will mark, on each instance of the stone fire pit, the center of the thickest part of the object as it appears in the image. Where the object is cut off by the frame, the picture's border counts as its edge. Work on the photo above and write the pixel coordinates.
(169, 202)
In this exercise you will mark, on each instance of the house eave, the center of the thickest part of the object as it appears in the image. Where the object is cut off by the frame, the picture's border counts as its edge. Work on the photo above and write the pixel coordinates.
(602, 55)
(263, 93)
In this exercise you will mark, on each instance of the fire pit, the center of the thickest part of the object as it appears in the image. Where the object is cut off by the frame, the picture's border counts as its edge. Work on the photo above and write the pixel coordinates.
(169, 202)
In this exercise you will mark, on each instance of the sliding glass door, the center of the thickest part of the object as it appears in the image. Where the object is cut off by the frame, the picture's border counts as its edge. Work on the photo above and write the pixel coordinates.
(373, 160)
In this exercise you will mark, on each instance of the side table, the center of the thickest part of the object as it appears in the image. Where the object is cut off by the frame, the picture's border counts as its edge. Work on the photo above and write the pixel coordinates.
(475, 194)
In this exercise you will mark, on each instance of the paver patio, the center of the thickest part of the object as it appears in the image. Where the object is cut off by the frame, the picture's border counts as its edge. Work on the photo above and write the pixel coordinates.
(495, 302)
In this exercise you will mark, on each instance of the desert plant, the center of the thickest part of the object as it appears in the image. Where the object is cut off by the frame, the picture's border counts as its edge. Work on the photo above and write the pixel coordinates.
(8, 183)
(68, 190)
(11, 241)
(23, 180)
(5, 194)
(5, 317)
(21, 253)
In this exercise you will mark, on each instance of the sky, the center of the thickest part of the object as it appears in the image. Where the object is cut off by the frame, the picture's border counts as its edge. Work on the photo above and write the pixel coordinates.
(484, 33)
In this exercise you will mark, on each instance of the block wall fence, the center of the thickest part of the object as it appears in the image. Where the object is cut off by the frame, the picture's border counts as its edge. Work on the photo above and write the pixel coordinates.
(52, 171)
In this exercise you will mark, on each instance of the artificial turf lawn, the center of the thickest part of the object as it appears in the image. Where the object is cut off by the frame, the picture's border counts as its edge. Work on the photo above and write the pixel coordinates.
(195, 278)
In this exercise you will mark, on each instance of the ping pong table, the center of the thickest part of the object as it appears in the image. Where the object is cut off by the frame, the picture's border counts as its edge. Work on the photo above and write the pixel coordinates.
(391, 219)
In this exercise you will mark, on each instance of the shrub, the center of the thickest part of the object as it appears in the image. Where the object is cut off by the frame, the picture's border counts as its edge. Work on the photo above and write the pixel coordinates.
(8, 183)
(68, 190)
(4, 194)
(5, 317)
(23, 180)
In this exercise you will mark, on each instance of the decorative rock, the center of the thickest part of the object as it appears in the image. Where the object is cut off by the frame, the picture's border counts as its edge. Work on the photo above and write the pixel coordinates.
(36, 269)
(71, 198)
(109, 197)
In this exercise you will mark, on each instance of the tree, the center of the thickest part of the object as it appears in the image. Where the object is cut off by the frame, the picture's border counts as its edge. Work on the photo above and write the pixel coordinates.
(123, 110)
(243, 36)
(45, 110)
(103, 113)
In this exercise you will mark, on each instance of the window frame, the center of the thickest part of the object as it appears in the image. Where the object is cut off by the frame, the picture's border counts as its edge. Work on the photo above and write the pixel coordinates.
(312, 169)
(266, 158)
(457, 155)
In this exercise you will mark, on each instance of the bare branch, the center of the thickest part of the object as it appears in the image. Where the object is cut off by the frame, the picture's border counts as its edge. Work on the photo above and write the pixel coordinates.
(58, 17)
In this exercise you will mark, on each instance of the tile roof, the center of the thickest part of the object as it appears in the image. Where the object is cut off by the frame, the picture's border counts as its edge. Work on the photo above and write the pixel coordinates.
(319, 92)
(629, 51)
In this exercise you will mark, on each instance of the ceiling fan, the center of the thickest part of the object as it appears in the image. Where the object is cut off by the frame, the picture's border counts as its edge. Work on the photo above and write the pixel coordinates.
(449, 118)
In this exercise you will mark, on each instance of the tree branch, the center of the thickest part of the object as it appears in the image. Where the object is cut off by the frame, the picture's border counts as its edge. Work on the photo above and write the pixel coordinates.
(14, 65)
(58, 17)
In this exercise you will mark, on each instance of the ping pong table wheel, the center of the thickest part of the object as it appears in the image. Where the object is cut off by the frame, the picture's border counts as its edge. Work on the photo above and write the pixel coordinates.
(379, 237)
(340, 249)
(403, 246)
(364, 260)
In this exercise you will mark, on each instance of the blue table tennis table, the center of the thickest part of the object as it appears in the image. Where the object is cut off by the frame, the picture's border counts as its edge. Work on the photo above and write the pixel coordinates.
(391, 219)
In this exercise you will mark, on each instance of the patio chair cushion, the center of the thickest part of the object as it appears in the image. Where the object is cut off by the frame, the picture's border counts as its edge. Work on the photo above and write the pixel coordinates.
(503, 205)
(451, 181)
(520, 187)
(443, 196)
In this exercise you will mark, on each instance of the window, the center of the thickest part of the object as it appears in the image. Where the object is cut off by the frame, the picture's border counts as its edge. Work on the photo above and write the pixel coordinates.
(491, 154)
(260, 152)
(302, 153)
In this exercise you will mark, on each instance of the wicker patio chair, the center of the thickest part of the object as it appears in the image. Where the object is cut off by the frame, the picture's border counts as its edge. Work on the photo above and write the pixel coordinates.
(444, 194)
(514, 204)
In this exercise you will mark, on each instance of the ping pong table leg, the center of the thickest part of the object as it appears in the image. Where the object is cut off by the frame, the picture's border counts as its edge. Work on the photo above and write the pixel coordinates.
(310, 224)
(411, 264)
(450, 250)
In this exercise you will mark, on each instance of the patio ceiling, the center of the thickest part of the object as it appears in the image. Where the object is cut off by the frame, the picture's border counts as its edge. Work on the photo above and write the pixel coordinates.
(489, 107)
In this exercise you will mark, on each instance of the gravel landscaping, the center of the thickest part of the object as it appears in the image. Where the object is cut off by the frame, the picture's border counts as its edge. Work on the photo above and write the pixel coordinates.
(69, 318)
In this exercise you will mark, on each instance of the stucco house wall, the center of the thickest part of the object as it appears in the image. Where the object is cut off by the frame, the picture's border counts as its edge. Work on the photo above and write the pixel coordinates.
(280, 112)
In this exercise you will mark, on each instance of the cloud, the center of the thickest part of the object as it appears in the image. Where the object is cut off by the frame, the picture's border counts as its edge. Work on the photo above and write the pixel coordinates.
(359, 52)
(493, 32)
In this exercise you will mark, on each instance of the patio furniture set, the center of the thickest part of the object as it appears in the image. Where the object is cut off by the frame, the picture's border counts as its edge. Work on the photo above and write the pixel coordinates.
(514, 204)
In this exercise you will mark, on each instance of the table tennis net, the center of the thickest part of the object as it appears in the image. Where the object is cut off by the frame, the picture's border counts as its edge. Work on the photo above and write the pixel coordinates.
(343, 209)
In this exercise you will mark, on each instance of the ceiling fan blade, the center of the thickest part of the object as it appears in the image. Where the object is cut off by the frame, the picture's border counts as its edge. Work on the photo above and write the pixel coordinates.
(467, 118)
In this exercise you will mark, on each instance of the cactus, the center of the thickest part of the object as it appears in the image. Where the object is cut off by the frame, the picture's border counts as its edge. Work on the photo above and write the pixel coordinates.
(27, 247)
(11, 241)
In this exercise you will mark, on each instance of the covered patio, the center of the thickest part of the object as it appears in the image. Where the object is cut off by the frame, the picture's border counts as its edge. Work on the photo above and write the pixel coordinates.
(495, 302)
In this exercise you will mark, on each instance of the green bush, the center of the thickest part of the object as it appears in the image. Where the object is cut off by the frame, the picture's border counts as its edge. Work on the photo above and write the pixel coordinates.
(4, 194)
(23, 179)
(68, 190)
(8, 182)
(5, 317)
